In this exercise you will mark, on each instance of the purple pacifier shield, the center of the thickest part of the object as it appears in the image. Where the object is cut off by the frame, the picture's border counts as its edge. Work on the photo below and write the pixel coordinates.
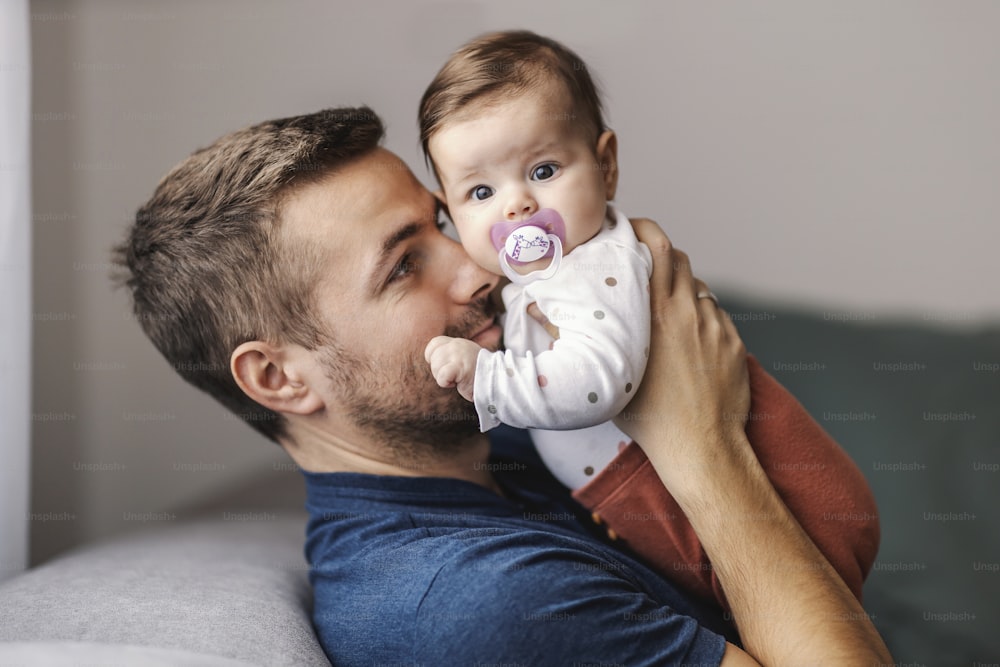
(546, 219)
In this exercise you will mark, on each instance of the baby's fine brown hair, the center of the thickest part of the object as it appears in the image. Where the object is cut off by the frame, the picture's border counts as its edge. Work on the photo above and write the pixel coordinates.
(508, 63)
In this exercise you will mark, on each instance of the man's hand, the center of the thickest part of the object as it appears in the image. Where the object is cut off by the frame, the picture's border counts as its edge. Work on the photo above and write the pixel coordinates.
(453, 363)
(790, 605)
(695, 390)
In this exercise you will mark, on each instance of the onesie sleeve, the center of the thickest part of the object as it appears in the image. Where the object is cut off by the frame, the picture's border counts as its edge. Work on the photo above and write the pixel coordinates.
(599, 299)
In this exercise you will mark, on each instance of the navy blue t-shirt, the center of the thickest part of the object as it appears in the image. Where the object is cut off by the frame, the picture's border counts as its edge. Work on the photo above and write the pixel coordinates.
(437, 571)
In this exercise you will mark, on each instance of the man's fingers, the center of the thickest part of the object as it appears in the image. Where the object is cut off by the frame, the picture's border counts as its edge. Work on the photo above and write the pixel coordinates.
(536, 313)
(662, 251)
(683, 279)
(729, 326)
(708, 303)
(646, 230)
(671, 267)
(711, 309)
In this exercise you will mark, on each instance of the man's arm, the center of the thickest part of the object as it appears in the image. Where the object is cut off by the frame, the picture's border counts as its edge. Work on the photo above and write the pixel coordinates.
(789, 604)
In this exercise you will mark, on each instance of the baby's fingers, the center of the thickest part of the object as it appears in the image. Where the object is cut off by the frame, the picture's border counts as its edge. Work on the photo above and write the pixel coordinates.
(433, 345)
(448, 374)
(536, 313)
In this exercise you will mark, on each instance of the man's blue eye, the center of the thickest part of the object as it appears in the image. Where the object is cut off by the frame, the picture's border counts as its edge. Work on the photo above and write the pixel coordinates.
(544, 172)
(481, 192)
(405, 267)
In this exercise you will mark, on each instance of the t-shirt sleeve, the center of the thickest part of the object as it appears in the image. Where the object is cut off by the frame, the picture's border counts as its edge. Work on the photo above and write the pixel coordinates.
(558, 607)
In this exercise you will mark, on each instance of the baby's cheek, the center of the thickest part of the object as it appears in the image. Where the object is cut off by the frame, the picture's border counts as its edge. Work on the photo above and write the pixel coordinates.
(476, 241)
(486, 257)
(466, 226)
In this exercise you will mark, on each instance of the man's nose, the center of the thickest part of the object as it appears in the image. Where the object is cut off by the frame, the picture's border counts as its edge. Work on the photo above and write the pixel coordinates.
(520, 205)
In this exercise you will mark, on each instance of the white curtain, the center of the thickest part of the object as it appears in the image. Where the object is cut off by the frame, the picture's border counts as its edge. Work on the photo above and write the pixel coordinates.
(15, 285)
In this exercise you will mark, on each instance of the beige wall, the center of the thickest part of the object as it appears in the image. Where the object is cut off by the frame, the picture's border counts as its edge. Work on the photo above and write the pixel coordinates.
(842, 154)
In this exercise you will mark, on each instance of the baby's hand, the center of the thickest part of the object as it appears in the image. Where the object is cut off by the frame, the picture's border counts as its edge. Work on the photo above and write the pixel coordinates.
(453, 363)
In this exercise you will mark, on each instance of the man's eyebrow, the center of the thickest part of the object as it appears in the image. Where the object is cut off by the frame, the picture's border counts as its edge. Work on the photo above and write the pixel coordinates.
(389, 245)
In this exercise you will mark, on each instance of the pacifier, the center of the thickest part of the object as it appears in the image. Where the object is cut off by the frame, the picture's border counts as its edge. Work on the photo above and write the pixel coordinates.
(525, 241)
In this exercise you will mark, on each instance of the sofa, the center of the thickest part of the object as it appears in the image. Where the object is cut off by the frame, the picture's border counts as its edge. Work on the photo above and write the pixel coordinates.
(914, 402)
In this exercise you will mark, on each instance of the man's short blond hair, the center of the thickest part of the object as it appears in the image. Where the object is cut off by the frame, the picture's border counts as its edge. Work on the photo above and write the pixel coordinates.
(206, 262)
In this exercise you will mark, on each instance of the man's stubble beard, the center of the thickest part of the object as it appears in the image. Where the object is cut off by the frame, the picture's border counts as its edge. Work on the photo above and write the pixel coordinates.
(398, 401)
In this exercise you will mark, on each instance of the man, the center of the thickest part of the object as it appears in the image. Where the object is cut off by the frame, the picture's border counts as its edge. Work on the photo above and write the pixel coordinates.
(295, 270)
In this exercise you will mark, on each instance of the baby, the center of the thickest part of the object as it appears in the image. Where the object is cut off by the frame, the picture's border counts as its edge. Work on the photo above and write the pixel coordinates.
(513, 127)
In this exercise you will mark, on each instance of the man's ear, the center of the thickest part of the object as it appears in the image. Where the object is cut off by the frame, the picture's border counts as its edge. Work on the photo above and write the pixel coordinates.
(607, 162)
(273, 377)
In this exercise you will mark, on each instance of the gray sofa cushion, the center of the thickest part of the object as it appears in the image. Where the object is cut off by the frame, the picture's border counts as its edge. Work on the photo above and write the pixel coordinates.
(916, 407)
(48, 654)
(233, 589)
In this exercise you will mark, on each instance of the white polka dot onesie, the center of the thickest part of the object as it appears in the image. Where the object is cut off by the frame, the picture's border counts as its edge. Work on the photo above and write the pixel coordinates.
(599, 299)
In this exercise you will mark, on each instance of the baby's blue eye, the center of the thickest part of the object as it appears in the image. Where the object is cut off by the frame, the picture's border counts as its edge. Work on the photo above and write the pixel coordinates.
(481, 192)
(544, 172)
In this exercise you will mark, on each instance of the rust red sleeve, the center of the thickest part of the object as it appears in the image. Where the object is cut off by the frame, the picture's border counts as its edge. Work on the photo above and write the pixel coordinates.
(817, 480)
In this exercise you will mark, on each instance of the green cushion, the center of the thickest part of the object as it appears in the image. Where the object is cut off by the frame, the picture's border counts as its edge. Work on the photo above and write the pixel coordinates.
(916, 406)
